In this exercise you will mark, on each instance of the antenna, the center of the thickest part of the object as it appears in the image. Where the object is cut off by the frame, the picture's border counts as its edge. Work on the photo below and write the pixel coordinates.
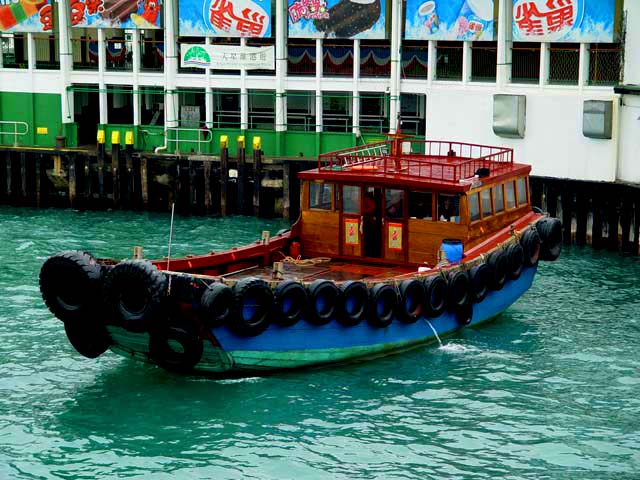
(173, 206)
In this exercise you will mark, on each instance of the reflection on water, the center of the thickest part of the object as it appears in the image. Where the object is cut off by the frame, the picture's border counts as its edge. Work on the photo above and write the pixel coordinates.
(547, 390)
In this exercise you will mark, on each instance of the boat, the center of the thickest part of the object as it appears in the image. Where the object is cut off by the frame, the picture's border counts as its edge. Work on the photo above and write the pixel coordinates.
(398, 242)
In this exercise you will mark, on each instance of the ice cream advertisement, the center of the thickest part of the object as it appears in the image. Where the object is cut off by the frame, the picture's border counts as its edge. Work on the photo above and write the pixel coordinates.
(337, 19)
(26, 16)
(449, 20)
(115, 13)
(225, 18)
(584, 21)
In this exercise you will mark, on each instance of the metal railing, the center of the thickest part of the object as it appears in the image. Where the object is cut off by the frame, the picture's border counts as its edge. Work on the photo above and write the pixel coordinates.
(15, 131)
(205, 132)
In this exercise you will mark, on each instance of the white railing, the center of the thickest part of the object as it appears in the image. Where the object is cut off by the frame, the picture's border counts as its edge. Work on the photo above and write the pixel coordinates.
(204, 136)
(15, 131)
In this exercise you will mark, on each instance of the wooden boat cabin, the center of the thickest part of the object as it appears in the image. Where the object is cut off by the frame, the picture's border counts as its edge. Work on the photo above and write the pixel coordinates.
(394, 202)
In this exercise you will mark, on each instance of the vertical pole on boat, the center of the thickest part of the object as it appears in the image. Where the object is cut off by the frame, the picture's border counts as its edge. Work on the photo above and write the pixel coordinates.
(173, 205)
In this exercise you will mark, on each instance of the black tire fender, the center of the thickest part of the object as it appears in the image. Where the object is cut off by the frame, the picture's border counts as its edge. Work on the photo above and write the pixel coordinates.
(411, 304)
(134, 291)
(290, 301)
(70, 284)
(217, 304)
(480, 278)
(324, 300)
(550, 230)
(515, 254)
(531, 244)
(89, 339)
(353, 308)
(458, 289)
(464, 314)
(253, 307)
(436, 293)
(499, 264)
(162, 352)
(383, 302)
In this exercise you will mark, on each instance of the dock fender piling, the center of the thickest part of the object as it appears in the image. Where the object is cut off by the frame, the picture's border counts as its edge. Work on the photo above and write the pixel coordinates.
(135, 291)
(253, 307)
(531, 244)
(435, 296)
(324, 298)
(464, 314)
(354, 303)
(89, 339)
(515, 254)
(383, 302)
(162, 349)
(412, 295)
(70, 284)
(499, 264)
(550, 230)
(480, 277)
(216, 303)
(459, 286)
(290, 301)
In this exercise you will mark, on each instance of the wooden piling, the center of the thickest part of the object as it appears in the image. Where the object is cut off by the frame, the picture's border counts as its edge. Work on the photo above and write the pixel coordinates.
(582, 212)
(224, 179)
(612, 222)
(566, 200)
(23, 176)
(636, 225)
(127, 179)
(257, 176)
(626, 211)
(596, 230)
(144, 185)
(72, 182)
(242, 176)
(552, 199)
(9, 173)
(193, 186)
(100, 165)
(286, 205)
(206, 173)
(38, 177)
(115, 174)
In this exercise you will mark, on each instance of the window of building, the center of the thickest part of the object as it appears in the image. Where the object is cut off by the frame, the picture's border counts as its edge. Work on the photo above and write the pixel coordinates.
(525, 62)
(498, 198)
(449, 64)
(394, 203)
(351, 199)
(320, 195)
(152, 106)
(522, 191)
(120, 104)
(421, 205)
(336, 112)
(485, 196)
(484, 59)
(448, 208)
(474, 206)
(511, 194)
(564, 63)
(301, 111)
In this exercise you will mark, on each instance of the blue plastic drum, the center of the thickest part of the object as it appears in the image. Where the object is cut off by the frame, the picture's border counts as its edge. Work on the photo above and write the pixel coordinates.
(453, 250)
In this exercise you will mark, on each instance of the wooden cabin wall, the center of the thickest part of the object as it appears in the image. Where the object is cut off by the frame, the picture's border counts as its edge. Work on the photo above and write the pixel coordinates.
(320, 233)
(425, 238)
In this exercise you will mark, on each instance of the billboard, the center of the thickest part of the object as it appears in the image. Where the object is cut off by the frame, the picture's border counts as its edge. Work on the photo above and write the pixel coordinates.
(225, 18)
(115, 13)
(584, 21)
(26, 16)
(449, 20)
(337, 19)
(228, 57)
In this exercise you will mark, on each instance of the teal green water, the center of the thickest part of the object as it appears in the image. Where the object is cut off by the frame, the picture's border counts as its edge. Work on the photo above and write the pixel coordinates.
(551, 389)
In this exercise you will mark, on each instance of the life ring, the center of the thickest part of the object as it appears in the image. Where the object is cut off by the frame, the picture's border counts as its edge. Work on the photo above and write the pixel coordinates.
(324, 297)
(163, 352)
(464, 314)
(498, 263)
(479, 278)
(435, 298)
(217, 303)
(253, 307)
(515, 254)
(70, 285)
(383, 302)
(135, 292)
(89, 339)
(458, 289)
(531, 244)
(550, 230)
(290, 301)
(354, 303)
(412, 295)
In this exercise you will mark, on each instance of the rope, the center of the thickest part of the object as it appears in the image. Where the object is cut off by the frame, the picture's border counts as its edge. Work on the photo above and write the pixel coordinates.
(307, 261)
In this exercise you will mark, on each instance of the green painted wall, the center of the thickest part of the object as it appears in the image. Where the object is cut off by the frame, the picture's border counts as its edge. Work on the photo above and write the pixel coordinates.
(37, 110)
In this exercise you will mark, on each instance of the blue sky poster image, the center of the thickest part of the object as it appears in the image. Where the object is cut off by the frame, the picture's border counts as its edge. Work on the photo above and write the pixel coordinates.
(225, 18)
(449, 20)
(337, 18)
(584, 21)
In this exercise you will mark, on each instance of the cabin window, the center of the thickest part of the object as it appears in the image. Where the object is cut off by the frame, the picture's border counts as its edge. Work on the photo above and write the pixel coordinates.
(448, 208)
(320, 195)
(511, 194)
(474, 207)
(421, 205)
(522, 191)
(394, 203)
(485, 197)
(351, 199)
(498, 198)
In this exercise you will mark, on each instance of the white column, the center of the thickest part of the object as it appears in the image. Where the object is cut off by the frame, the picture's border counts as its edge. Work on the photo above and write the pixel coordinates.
(432, 61)
(1, 59)
(281, 66)
(394, 87)
(545, 62)
(66, 62)
(135, 58)
(505, 16)
(466, 62)
(102, 66)
(208, 94)
(355, 103)
(319, 61)
(171, 110)
(244, 94)
(585, 57)
(31, 51)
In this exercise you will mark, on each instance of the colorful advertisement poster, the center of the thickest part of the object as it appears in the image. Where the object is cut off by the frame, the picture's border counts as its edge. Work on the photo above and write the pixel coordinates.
(115, 13)
(225, 18)
(228, 57)
(583, 21)
(337, 19)
(351, 232)
(26, 16)
(395, 236)
(450, 20)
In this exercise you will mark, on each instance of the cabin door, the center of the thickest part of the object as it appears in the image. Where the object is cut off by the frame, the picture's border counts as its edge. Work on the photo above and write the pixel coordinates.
(394, 231)
(351, 237)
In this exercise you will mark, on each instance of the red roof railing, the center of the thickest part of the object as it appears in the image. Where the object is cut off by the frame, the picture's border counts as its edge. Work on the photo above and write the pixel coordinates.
(428, 159)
